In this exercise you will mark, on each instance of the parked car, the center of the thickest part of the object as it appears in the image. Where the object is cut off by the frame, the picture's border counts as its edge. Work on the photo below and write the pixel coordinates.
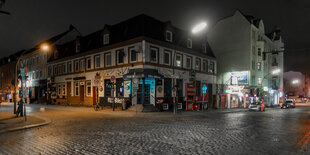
(289, 103)
(257, 106)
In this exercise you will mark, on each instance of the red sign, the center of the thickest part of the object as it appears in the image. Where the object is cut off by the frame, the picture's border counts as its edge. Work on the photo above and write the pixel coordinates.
(112, 78)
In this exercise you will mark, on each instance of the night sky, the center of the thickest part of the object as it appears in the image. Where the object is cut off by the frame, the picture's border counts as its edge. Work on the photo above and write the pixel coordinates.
(33, 21)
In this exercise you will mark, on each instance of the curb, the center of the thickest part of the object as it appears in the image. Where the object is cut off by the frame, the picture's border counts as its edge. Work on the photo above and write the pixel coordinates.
(47, 121)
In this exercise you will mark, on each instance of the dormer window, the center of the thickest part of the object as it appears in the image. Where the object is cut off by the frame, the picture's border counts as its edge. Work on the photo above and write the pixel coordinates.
(106, 39)
(189, 43)
(169, 36)
(77, 48)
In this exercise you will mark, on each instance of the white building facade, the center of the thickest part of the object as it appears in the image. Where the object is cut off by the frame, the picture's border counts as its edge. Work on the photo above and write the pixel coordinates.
(247, 57)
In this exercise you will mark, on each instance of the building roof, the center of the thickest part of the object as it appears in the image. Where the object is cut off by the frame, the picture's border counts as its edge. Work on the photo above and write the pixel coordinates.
(138, 26)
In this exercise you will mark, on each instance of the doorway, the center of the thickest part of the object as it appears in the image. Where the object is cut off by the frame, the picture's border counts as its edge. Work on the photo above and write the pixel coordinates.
(146, 96)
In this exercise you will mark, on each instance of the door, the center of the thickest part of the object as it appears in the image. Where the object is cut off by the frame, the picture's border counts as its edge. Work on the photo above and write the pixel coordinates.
(146, 98)
(95, 95)
(82, 94)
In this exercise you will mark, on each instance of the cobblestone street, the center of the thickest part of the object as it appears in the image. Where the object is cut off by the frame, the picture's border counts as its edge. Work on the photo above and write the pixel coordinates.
(276, 131)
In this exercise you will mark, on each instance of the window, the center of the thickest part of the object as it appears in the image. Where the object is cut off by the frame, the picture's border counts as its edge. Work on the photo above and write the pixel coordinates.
(59, 90)
(37, 74)
(76, 89)
(64, 90)
(108, 59)
(64, 68)
(211, 67)
(120, 87)
(77, 48)
(97, 61)
(76, 66)
(70, 67)
(88, 88)
(107, 88)
(169, 36)
(253, 65)
(41, 74)
(82, 65)
(133, 55)
(198, 88)
(49, 71)
(259, 81)
(167, 87)
(188, 62)
(153, 54)
(106, 39)
(59, 69)
(167, 57)
(88, 63)
(120, 56)
(197, 64)
(259, 52)
(178, 60)
(259, 66)
(204, 65)
(189, 43)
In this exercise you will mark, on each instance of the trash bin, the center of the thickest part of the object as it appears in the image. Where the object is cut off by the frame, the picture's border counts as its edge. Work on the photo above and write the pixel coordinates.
(124, 105)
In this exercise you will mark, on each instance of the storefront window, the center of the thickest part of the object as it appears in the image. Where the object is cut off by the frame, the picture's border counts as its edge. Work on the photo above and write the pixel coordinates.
(180, 87)
(120, 87)
(76, 89)
(167, 87)
(88, 88)
(107, 88)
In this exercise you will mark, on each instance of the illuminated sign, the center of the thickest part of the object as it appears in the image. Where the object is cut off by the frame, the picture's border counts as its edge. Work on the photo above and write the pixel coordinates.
(239, 78)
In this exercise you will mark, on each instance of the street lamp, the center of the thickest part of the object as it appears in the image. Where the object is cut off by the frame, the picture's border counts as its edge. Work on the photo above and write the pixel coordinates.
(199, 27)
(296, 81)
(43, 47)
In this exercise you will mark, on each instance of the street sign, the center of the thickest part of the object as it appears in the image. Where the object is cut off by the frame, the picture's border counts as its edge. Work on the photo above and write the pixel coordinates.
(96, 82)
(204, 89)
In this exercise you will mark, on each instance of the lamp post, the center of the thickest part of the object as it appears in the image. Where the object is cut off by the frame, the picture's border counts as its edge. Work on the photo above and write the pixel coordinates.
(43, 47)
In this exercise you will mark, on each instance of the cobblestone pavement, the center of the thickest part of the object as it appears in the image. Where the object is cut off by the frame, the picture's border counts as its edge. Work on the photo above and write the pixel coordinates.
(276, 131)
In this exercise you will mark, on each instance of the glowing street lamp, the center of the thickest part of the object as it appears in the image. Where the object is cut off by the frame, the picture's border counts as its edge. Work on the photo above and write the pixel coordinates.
(295, 81)
(199, 27)
(44, 47)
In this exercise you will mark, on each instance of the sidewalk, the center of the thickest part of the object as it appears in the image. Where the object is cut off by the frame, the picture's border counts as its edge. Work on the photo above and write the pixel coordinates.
(9, 123)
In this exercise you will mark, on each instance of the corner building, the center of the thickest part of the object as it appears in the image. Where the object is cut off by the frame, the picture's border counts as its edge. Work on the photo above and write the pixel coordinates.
(147, 58)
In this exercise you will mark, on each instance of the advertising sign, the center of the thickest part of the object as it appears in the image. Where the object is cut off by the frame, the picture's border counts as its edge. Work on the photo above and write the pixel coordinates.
(239, 78)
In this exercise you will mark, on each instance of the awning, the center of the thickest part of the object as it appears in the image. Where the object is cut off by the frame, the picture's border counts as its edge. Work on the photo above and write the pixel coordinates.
(143, 73)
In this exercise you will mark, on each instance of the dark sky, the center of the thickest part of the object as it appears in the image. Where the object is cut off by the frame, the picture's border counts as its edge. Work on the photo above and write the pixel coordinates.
(35, 20)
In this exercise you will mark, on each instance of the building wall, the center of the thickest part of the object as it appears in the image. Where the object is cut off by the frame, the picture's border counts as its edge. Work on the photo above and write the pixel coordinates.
(7, 73)
(230, 41)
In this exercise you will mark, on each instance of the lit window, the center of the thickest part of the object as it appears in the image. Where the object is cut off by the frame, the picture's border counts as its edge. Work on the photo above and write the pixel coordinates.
(167, 57)
(169, 36)
(178, 60)
(108, 59)
(88, 88)
(63, 89)
(106, 39)
(259, 66)
(97, 61)
(153, 54)
(76, 89)
(259, 81)
(189, 43)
